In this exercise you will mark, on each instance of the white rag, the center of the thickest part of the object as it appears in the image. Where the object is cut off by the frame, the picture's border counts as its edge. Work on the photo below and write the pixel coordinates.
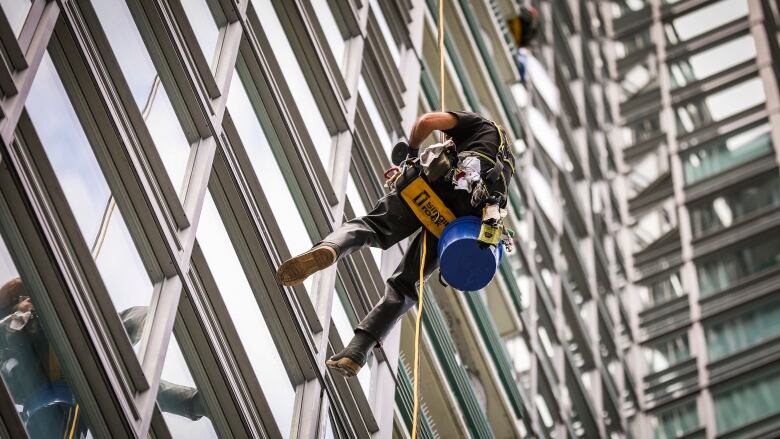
(432, 152)
(467, 173)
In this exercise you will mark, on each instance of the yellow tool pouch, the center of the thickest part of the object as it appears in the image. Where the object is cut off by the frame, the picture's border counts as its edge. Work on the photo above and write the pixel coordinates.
(427, 206)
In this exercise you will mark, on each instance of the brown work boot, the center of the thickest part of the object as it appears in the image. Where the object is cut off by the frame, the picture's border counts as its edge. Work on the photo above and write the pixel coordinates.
(352, 358)
(295, 270)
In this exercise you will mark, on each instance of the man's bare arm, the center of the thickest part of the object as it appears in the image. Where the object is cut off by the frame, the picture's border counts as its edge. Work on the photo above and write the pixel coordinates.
(427, 123)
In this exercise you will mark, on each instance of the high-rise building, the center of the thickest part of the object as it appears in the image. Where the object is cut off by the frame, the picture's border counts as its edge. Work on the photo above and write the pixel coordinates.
(160, 159)
(700, 124)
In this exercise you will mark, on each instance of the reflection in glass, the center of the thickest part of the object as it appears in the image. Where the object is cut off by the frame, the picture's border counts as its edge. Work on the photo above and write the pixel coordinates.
(661, 290)
(86, 190)
(545, 198)
(28, 365)
(622, 7)
(704, 19)
(718, 106)
(667, 353)
(651, 226)
(276, 187)
(376, 119)
(644, 128)
(548, 137)
(543, 83)
(204, 27)
(633, 43)
(712, 61)
(730, 267)
(747, 402)
(144, 81)
(307, 106)
(245, 314)
(645, 171)
(642, 77)
(331, 30)
(726, 152)
(730, 207)
(742, 331)
(675, 422)
(386, 34)
(16, 12)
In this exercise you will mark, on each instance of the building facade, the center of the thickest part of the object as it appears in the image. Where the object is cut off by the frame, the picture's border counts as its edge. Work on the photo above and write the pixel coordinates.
(698, 104)
(160, 159)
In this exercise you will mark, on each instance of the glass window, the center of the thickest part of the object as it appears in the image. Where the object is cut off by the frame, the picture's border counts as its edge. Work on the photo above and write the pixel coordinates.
(712, 61)
(640, 78)
(542, 82)
(726, 152)
(376, 119)
(704, 19)
(353, 195)
(650, 227)
(638, 131)
(661, 290)
(645, 170)
(16, 12)
(98, 216)
(150, 94)
(304, 99)
(548, 137)
(331, 30)
(748, 402)
(720, 105)
(740, 332)
(520, 355)
(667, 353)
(265, 161)
(730, 207)
(245, 313)
(28, 365)
(675, 422)
(179, 399)
(204, 27)
(545, 198)
(622, 7)
(386, 34)
(633, 42)
(734, 265)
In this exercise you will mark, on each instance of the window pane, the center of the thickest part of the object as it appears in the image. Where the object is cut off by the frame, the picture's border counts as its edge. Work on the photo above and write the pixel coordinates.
(16, 12)
(264, 161)
(732, 206)
(720, 105)
(376, 118)
(86, 190)
(748, 402)
(144, 81)
(386, 34)
(360, 210)
(645, 171)
(705, 19)
(667, 353)
(246, 316)
(675, 422)
(204, 27)
(742, 331)
(548, 137)
(304, 99)
(331, 30)
(732, 266)
(180, 400)
(651, 226)
(711, 61)
(28, 365)
(661, 291)
(727, 152)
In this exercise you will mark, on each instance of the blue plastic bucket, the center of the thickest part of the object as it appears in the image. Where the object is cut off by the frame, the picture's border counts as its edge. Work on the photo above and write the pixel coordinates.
(464, 263)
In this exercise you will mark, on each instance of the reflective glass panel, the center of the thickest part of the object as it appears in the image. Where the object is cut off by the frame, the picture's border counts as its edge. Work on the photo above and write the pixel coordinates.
(726, 152)
(386, 34)
(667, 353)
(331, 29)
(16, 12)
(753, 400)
(277, 187)
(376, 119)
(734, 265)
(730, 207)
(245, 314)
(545, 197)
(622, 7)
(633, 42)
(704, 19)
(719, 105)
(304, 99)
(204, 27)
(650, 227)
(742, 331)
(360, 210)
(86, 190)
(711, 61)
(645, 171)
(675, 422)
(548, 137)
(661, 290)
(638, 131)
(28, 365)
(145, 84)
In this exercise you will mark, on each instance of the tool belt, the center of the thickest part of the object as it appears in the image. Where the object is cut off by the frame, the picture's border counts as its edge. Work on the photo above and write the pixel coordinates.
(423, 201)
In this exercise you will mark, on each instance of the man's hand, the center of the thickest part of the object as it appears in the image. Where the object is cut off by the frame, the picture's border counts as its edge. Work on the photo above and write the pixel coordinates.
(24, 305)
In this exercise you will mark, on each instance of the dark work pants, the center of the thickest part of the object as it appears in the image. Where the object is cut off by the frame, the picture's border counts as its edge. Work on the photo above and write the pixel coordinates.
(389, 222)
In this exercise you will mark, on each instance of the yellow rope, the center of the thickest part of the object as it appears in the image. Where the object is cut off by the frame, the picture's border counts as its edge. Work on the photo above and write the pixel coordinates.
(420, 297)
(421, 290)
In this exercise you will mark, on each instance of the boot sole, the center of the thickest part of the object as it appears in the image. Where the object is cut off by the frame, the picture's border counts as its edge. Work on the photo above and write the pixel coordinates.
(344, 366)
(294, 271)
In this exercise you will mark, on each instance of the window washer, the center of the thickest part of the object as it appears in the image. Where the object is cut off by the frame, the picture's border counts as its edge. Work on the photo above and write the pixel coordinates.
(468, 172)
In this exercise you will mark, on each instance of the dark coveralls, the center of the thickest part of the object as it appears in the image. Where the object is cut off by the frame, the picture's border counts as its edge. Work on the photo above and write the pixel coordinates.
(391, 220)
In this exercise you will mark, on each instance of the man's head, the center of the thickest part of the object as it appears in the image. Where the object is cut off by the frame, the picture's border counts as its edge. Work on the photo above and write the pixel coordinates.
(524, 26)
(13, 297)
